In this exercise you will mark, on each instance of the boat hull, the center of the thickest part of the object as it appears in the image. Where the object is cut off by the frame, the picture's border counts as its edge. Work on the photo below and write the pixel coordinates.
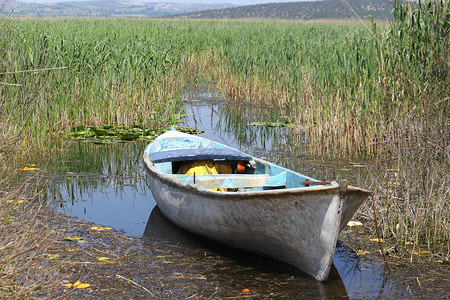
(297, 226)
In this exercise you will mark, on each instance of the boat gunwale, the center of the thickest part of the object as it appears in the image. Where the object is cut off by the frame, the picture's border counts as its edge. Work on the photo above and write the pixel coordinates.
(333, 189)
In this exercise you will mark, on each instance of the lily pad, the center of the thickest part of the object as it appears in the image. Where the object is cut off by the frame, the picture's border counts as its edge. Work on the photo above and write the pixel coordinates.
(100, 131)
(109, 134)
(189, 130)
(82, 134)
(78, 128)
(147, 138)
(128, 136)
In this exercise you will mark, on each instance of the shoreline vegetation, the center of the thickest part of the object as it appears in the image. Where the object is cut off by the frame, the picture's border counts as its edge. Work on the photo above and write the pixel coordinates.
(378, 93)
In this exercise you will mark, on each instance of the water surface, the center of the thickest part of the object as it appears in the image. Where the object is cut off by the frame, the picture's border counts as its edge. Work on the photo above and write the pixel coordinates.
(106, 184)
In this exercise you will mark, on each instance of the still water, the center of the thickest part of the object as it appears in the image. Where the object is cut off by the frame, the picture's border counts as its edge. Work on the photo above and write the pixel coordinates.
(106, 184)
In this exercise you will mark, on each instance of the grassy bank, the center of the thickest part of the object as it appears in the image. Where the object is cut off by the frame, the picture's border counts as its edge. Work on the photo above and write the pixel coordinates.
(25, 239)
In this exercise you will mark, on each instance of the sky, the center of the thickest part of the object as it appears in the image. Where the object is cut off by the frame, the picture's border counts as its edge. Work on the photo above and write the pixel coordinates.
(237, 2)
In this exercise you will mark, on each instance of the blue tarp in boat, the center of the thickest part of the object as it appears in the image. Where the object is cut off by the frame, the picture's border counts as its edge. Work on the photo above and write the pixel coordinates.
(195, 154)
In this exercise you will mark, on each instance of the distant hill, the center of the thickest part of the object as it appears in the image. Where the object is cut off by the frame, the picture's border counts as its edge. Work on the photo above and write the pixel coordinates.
(328, 9)
(104, 8)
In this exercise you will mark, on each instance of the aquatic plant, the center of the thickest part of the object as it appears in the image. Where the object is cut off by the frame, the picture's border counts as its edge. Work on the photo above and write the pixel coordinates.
(109, 134)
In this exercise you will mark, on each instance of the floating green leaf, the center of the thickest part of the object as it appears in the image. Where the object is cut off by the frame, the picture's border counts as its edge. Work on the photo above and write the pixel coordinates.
(127, 135)
(77, 128)
(109, 134)
(147, 138)
(189, 130)
(100, 131)
(137, 130)
(82, 134)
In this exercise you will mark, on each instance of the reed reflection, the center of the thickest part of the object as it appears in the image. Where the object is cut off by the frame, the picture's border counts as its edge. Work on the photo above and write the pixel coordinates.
(232, 124)
(103, 184)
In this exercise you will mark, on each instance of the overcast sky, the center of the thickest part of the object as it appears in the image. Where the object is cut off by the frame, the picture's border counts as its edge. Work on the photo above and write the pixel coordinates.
(238, 2)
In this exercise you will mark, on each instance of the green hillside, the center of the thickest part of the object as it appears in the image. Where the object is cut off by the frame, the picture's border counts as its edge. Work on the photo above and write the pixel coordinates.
(104, 8)
(330, 9)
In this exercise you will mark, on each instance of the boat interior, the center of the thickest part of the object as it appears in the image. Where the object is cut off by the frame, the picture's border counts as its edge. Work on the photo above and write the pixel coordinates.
(217, 167)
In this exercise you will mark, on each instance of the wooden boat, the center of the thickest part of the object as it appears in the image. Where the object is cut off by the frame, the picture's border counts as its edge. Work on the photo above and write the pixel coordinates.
(260, 207)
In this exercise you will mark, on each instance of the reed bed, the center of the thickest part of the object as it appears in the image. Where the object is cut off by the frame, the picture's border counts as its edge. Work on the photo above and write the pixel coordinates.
(128, 71)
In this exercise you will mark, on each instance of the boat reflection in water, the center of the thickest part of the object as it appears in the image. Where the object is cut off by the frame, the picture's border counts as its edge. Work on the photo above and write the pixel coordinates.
(235, 268)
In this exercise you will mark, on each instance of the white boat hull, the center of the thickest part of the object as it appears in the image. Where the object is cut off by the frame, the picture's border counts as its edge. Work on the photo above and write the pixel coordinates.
(298, 226)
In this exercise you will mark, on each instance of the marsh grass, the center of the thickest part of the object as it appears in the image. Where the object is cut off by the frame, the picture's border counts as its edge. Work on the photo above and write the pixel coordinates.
(24, 241)
(413, 206)
(24, 216)
(380, 95)
(114, 75)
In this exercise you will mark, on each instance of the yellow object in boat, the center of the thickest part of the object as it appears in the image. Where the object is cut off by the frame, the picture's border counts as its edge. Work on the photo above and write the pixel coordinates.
(205, 167)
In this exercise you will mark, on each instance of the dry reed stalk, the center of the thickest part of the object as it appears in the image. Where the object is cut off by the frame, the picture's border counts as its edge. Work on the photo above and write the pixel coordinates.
(23, 269)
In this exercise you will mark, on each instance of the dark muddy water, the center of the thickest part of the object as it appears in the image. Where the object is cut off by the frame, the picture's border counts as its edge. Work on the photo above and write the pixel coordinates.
(106, 184)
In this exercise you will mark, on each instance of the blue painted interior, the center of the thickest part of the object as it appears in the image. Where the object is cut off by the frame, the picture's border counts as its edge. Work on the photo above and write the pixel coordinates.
(182, 143)
(232, 180)
(165, 167)
(164, 151)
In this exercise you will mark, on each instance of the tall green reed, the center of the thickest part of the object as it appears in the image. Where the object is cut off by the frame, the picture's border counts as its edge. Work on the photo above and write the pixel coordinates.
(24, 217)
(415, 52)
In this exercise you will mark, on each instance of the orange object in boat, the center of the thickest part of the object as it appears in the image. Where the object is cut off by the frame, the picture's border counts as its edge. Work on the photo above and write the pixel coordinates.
(240, 168)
